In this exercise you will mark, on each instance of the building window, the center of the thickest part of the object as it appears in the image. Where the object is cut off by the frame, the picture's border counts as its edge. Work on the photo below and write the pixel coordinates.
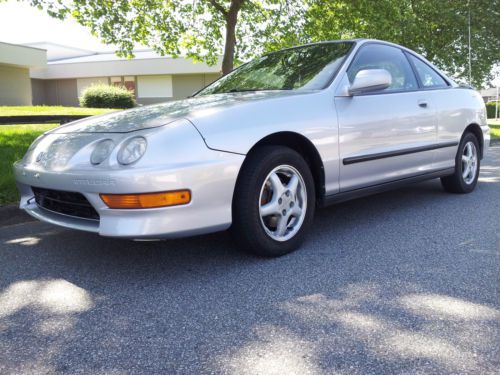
(129, 83)
(115, 81)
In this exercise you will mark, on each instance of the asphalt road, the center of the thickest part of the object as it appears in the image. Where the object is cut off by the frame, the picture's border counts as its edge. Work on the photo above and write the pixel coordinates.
(402, 282)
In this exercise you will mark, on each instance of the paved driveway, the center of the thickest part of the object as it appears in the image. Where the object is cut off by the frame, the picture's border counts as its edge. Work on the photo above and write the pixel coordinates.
(401, 282)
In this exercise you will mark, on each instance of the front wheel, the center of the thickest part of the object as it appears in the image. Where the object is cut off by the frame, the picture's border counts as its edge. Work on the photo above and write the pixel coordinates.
(467, 165)
(274, 201)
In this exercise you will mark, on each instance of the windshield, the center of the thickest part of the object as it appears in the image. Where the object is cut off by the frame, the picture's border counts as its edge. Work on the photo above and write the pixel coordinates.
(310, 67)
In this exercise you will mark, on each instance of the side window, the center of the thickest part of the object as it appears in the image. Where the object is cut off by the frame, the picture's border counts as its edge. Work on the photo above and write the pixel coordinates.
(428, 76)
(392, 59)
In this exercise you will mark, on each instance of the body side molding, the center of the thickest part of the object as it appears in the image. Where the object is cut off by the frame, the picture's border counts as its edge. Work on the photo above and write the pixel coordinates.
(388, 154)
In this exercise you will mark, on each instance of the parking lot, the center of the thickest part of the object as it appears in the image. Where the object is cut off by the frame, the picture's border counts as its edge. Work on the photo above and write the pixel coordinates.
(401, 282)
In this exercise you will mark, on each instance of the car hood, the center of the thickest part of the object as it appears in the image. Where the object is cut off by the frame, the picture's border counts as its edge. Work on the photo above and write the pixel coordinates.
(152, 116)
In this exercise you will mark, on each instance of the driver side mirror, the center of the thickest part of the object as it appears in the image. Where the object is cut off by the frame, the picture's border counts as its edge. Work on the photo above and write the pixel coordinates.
(369, 80)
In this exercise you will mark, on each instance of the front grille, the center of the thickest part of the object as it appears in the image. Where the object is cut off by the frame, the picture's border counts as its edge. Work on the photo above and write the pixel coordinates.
(65, 202)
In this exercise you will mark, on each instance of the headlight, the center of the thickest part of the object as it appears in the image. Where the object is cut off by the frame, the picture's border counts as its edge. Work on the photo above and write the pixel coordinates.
(102, 151)
(132, 150)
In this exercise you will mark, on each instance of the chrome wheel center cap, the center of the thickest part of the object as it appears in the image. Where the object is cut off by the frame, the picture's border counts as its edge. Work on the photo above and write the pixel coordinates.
(287, 201)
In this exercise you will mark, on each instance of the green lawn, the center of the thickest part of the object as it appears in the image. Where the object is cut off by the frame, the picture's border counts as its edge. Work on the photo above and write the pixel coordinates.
(15, 140)
(494, 128)
(495, 131)
(51, 110)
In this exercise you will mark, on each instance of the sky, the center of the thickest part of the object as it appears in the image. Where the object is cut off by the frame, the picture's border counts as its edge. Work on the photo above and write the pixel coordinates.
(21, 23)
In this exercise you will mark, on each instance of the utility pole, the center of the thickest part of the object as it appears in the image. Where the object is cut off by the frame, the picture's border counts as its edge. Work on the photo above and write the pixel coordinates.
(497, 103)
(470, 51)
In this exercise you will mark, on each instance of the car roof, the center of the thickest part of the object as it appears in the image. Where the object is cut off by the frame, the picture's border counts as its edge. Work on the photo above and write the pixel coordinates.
(352, 40)
(358, 41)
(361, 41)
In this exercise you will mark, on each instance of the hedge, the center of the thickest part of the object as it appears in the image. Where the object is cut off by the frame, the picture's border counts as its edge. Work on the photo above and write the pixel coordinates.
(104, 96)
(490, 109)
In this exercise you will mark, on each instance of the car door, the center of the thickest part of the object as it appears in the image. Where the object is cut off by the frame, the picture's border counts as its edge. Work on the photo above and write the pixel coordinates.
(384, 135)
(449, 110)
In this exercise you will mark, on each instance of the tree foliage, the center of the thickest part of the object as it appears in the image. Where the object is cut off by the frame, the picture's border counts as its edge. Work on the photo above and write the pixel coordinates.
(241, 29)
(200, 29)
(436, 29)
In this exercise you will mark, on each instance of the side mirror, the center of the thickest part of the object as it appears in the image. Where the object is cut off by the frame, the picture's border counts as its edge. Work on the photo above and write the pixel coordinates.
(369, 80)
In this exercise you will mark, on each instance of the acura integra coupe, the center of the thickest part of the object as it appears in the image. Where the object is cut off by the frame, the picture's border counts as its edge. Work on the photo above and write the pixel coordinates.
(259, 149)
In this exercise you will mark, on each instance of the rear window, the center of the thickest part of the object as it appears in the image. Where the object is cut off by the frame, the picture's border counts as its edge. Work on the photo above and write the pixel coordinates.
(427, 75)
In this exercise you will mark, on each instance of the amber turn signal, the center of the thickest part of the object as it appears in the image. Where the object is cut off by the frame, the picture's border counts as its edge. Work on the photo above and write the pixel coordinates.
(147, 200)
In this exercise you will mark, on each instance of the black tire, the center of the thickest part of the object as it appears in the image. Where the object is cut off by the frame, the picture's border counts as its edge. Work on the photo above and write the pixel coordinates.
(248, 227)
(456, 183)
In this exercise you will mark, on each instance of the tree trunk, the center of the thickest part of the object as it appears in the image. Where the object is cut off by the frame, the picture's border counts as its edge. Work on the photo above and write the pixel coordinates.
(230, 43)
(228, 59)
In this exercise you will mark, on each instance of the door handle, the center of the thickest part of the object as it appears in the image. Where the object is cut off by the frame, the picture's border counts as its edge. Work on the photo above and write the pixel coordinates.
(422, 103)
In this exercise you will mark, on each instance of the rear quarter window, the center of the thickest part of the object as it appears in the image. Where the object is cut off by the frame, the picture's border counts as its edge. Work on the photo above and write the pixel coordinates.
(429, 78)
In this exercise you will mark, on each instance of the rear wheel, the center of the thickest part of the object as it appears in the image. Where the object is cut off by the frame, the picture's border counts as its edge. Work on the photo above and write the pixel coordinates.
(467, 165)
(274, 201)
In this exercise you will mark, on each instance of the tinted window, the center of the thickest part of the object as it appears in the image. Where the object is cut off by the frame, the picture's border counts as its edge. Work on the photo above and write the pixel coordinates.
(376, 56)
(309, 67)
(428, 76)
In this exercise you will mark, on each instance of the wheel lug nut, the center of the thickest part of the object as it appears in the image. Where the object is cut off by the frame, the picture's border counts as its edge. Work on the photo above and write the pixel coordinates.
(291, 204)
(287, 193)
(284, 212)
(280, 201)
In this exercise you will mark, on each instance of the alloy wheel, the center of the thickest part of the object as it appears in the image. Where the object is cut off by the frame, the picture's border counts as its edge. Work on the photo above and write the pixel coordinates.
(283, 203)
(469, 162)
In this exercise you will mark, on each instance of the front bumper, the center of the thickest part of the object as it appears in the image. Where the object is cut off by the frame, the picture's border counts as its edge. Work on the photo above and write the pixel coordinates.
(211, 182)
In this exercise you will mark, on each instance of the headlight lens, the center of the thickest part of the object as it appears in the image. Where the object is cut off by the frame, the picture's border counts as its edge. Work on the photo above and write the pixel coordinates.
(101, 151)
(132, 150)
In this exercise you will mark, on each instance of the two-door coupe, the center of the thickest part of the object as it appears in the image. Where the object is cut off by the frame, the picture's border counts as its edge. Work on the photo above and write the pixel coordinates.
(261, 147)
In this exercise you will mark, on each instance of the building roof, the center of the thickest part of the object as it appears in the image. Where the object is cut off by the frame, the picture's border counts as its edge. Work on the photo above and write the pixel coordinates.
(70, 62)
(22, 56)
(56, 51)
(109, 56)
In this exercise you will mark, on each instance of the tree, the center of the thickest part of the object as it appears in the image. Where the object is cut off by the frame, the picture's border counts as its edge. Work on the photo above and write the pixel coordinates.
(436, 29)
(241, 29)
(200, 29)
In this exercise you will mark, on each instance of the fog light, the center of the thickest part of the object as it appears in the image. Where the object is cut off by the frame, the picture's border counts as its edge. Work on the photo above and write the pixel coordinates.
(147, 200)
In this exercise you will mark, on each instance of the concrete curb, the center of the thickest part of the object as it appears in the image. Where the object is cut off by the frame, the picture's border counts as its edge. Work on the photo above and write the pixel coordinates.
(11, 214)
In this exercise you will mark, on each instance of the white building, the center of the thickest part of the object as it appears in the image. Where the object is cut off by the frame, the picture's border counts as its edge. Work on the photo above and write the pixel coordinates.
(15, 64)
(152, 78)
(489, 94)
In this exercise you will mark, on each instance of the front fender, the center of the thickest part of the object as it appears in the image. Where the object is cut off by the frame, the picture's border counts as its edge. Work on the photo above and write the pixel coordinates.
(312, 115)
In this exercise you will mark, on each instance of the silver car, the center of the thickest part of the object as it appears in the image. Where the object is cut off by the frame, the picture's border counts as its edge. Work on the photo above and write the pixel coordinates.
(259, 149)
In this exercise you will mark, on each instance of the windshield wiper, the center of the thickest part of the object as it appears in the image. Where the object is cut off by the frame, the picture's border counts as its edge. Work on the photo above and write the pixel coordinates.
(244, 90)
(247, 90)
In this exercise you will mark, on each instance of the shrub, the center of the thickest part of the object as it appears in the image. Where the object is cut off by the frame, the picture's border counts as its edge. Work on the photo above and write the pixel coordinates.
(490, 109)
(104, 96)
